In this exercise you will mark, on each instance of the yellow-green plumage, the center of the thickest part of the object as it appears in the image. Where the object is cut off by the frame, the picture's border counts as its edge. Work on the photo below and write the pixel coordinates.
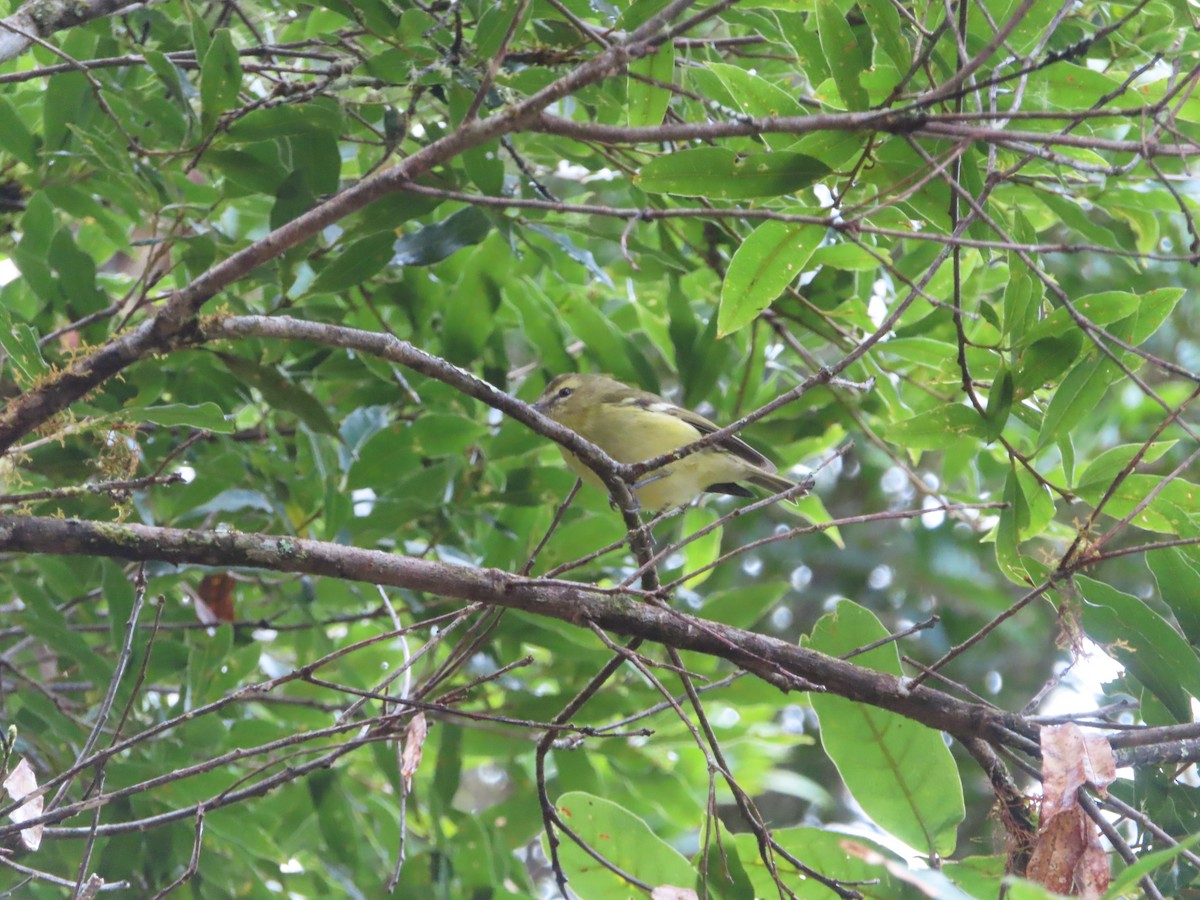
(632, 426)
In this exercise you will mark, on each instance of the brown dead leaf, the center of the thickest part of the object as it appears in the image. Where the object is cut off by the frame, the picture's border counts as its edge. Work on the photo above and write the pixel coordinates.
(414, 743)
(1068, 856)
(1071, 759)
(20, 782)
(214, 599)
(671, 892)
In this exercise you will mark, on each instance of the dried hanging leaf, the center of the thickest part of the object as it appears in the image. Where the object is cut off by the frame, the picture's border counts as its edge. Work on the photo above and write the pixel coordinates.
(20, 783)
(670, 892)
(1068, 856)
(1071, 759)
(214, 599)
(414, 743)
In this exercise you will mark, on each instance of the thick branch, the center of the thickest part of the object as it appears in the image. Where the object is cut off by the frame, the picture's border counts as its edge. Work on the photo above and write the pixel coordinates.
(576, 604)
(39, 18)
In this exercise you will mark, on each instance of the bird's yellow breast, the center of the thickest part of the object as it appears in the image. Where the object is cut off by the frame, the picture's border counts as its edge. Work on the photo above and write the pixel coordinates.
(633, 438)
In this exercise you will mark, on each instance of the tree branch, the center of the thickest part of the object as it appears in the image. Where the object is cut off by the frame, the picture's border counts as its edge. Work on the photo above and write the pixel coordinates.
(577, 604)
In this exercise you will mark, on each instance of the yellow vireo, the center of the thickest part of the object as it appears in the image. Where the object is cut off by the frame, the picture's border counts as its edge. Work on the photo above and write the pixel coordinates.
(632, 426)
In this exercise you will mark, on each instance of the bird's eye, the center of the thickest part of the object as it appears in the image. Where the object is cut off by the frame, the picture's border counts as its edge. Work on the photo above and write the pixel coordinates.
(565, 392)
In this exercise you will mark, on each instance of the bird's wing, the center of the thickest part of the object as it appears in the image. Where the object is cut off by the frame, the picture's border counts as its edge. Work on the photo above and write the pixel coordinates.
(731, 444)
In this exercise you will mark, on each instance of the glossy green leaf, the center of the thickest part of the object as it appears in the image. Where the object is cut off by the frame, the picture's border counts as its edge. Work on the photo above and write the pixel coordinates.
(886, 30)
(842, 54)
(283, 121)
(771, 258)
(20, 343)
(1077, 396)
(833, 854)
(999, 404)
(1043, 361)
(848, 257)
(703, 550)
(437, 241)
(647, 102)
(900, 772)
(717, 172)
(437, 434)
(220, 78)
(1138, 638)
(624, 839)
(1105, 467)
(1152, 311)
(206, 416)
(335, 816)
(938, 428)
(358, 262)
(282, 394)
(15, 137)
(1179, 586)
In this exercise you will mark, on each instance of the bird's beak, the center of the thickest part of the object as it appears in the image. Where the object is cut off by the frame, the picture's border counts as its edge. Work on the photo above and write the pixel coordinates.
(541, 405)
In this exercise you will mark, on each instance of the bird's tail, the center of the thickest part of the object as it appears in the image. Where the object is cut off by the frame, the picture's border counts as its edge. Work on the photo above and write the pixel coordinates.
(777, 483)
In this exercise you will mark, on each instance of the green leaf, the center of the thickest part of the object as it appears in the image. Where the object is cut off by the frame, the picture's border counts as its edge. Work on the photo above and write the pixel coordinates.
(1078, 395)
(980, 876)
(1170, 512)
(437, 241)
(837, 855)
(1099, 309)
(1150, 650)
(1036, 505)
(842, 54)
(1105, 467)
(321, 116)
(494, 24)
(702, 551)
(220, 79)
(1008, 556)
(1128, 877)
(937, 428)
(1020, 310)
(15, 137)
(1152, 311)
(172, 77)
(749, 94)
(1044, 360)
(357, 263)
(20, 343)
(206, 416)
(624, 839)
(41, 618)
(848, 257)
(743, 606)
(647, 103)
(581, 255)
(335, 816)
(293, 198)
(718, 172)
(900, 772)
(1179, 586)
(281, 394)
(770, 259)
(442, 434)
(881, 15)
(76, 272)
(999, 404)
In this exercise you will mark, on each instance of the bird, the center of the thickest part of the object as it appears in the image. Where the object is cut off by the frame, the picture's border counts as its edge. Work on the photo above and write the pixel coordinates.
(633, 425)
